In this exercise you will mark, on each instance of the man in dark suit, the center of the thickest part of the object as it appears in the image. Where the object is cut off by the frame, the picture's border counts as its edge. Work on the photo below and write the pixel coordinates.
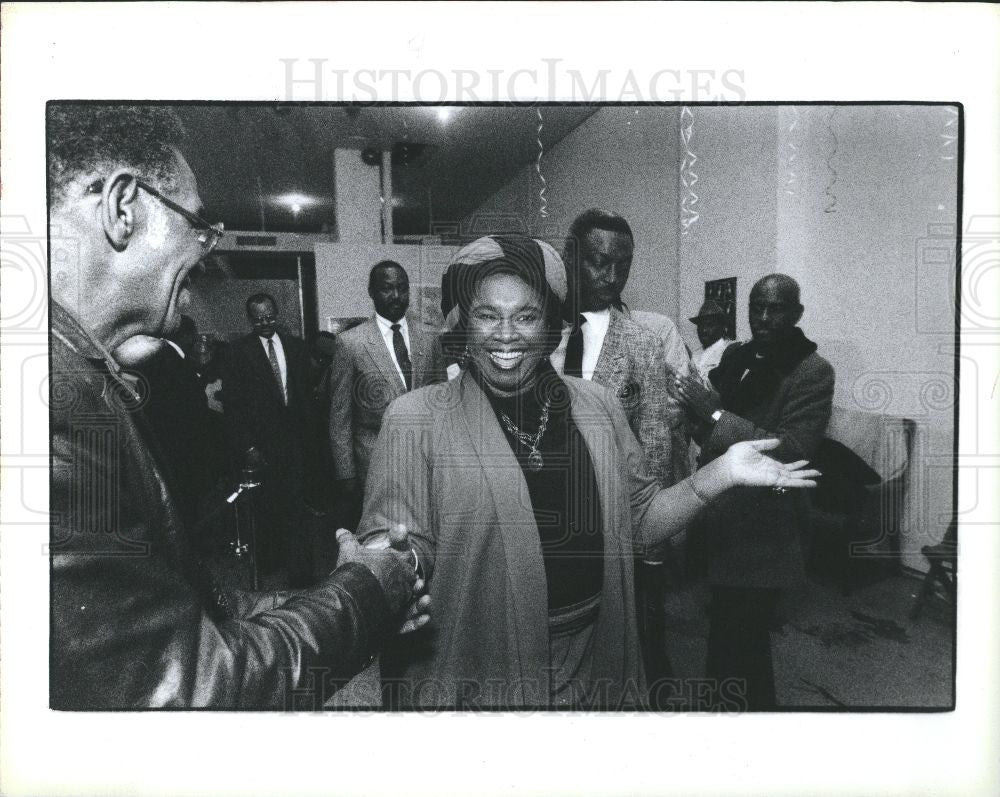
(184, 428)
(268, 404)
(774, 386)
(374, 363)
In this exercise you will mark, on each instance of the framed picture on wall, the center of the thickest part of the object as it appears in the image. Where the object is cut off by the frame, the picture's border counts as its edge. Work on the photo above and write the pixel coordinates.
(335, 325)
(429, 311)
(723, 291)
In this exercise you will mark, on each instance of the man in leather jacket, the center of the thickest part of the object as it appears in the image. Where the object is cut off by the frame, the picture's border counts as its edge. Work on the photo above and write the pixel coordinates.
(135, 622)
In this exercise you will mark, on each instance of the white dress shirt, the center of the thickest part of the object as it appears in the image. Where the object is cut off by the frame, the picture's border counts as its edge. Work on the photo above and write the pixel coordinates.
(385, 327)
(279, 350)
(711, 357)
(594, 331)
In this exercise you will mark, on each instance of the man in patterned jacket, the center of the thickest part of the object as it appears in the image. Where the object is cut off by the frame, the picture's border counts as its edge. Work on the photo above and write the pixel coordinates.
(603, 343)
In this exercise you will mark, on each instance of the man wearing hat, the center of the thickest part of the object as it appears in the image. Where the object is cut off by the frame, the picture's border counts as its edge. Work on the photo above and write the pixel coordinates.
(711, 323)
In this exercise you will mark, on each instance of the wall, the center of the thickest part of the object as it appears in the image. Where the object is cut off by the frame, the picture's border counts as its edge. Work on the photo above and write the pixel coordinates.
(218, 307)
(735, 174)
(621, 159)
(629, 155)
(342, 277)
(856, 203)
(358, 191)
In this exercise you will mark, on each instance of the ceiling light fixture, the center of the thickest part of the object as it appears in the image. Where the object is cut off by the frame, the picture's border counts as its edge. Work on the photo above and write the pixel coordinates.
(444, 114)
(295, 202)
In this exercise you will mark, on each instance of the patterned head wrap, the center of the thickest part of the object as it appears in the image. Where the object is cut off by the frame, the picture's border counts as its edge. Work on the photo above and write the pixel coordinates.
(536, 261)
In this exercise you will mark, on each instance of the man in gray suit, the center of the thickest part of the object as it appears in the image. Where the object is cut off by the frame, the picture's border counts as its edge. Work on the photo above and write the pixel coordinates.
(374, 363)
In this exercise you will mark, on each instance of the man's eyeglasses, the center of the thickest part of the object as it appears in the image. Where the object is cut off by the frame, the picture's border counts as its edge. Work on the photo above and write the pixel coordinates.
(209, 234)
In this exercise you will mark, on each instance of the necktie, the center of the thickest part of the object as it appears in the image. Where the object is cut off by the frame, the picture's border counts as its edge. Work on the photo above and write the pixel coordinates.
(574, 349)
(402, 355)
(272, 355)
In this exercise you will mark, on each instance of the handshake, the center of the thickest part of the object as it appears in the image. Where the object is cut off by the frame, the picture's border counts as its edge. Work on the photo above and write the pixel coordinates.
(394, 563)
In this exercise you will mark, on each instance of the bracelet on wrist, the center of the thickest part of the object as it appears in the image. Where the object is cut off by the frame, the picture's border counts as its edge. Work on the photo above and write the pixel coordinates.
(694, 489)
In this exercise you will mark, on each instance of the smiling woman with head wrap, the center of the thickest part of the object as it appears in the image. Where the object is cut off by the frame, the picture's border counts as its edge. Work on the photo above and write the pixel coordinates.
(525, 498)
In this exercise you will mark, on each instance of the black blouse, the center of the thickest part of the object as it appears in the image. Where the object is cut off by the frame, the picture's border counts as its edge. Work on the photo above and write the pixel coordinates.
(563, 493)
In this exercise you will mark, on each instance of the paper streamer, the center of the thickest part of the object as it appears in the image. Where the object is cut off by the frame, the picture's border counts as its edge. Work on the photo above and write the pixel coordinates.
(950, 135)
(831, 204)
(543, 209)
(688, 178)
(791, 176)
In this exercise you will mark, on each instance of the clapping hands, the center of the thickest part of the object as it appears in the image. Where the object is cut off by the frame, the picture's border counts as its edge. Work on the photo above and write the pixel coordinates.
(699, 400)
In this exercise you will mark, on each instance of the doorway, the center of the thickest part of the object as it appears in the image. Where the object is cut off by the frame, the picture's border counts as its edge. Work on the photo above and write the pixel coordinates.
(219, 293)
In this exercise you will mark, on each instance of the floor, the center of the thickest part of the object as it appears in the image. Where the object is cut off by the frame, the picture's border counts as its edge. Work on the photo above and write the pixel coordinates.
(861, 651)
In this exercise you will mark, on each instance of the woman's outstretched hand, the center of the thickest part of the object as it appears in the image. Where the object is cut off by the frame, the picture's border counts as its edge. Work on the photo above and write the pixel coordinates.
(749, 467)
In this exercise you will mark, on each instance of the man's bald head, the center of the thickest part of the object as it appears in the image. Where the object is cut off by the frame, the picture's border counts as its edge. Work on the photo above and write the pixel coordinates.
(775, 309)
(784, 285)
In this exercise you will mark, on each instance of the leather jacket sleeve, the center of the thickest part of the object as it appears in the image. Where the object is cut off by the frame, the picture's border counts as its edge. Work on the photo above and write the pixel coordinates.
(132, 624)
(292, 656)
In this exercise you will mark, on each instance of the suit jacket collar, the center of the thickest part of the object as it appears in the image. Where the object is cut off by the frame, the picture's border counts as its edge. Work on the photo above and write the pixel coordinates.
(419, 351)
(613, 349)
(419, 354)
(379, 352)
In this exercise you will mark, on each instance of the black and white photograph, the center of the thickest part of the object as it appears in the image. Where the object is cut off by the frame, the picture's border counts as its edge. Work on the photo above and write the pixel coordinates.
(757, 523)
(394, 416)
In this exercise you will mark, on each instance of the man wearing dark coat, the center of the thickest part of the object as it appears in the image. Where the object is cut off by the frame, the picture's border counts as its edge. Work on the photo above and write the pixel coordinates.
(776, 385)
(186, 430)
(268, 406)
(135, 621)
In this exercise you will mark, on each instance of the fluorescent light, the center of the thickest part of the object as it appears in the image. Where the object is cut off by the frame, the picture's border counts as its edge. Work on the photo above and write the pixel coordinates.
(444, 114)
(295, 202)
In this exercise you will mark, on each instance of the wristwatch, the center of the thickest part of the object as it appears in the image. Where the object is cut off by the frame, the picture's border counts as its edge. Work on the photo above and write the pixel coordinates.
(716, 415)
